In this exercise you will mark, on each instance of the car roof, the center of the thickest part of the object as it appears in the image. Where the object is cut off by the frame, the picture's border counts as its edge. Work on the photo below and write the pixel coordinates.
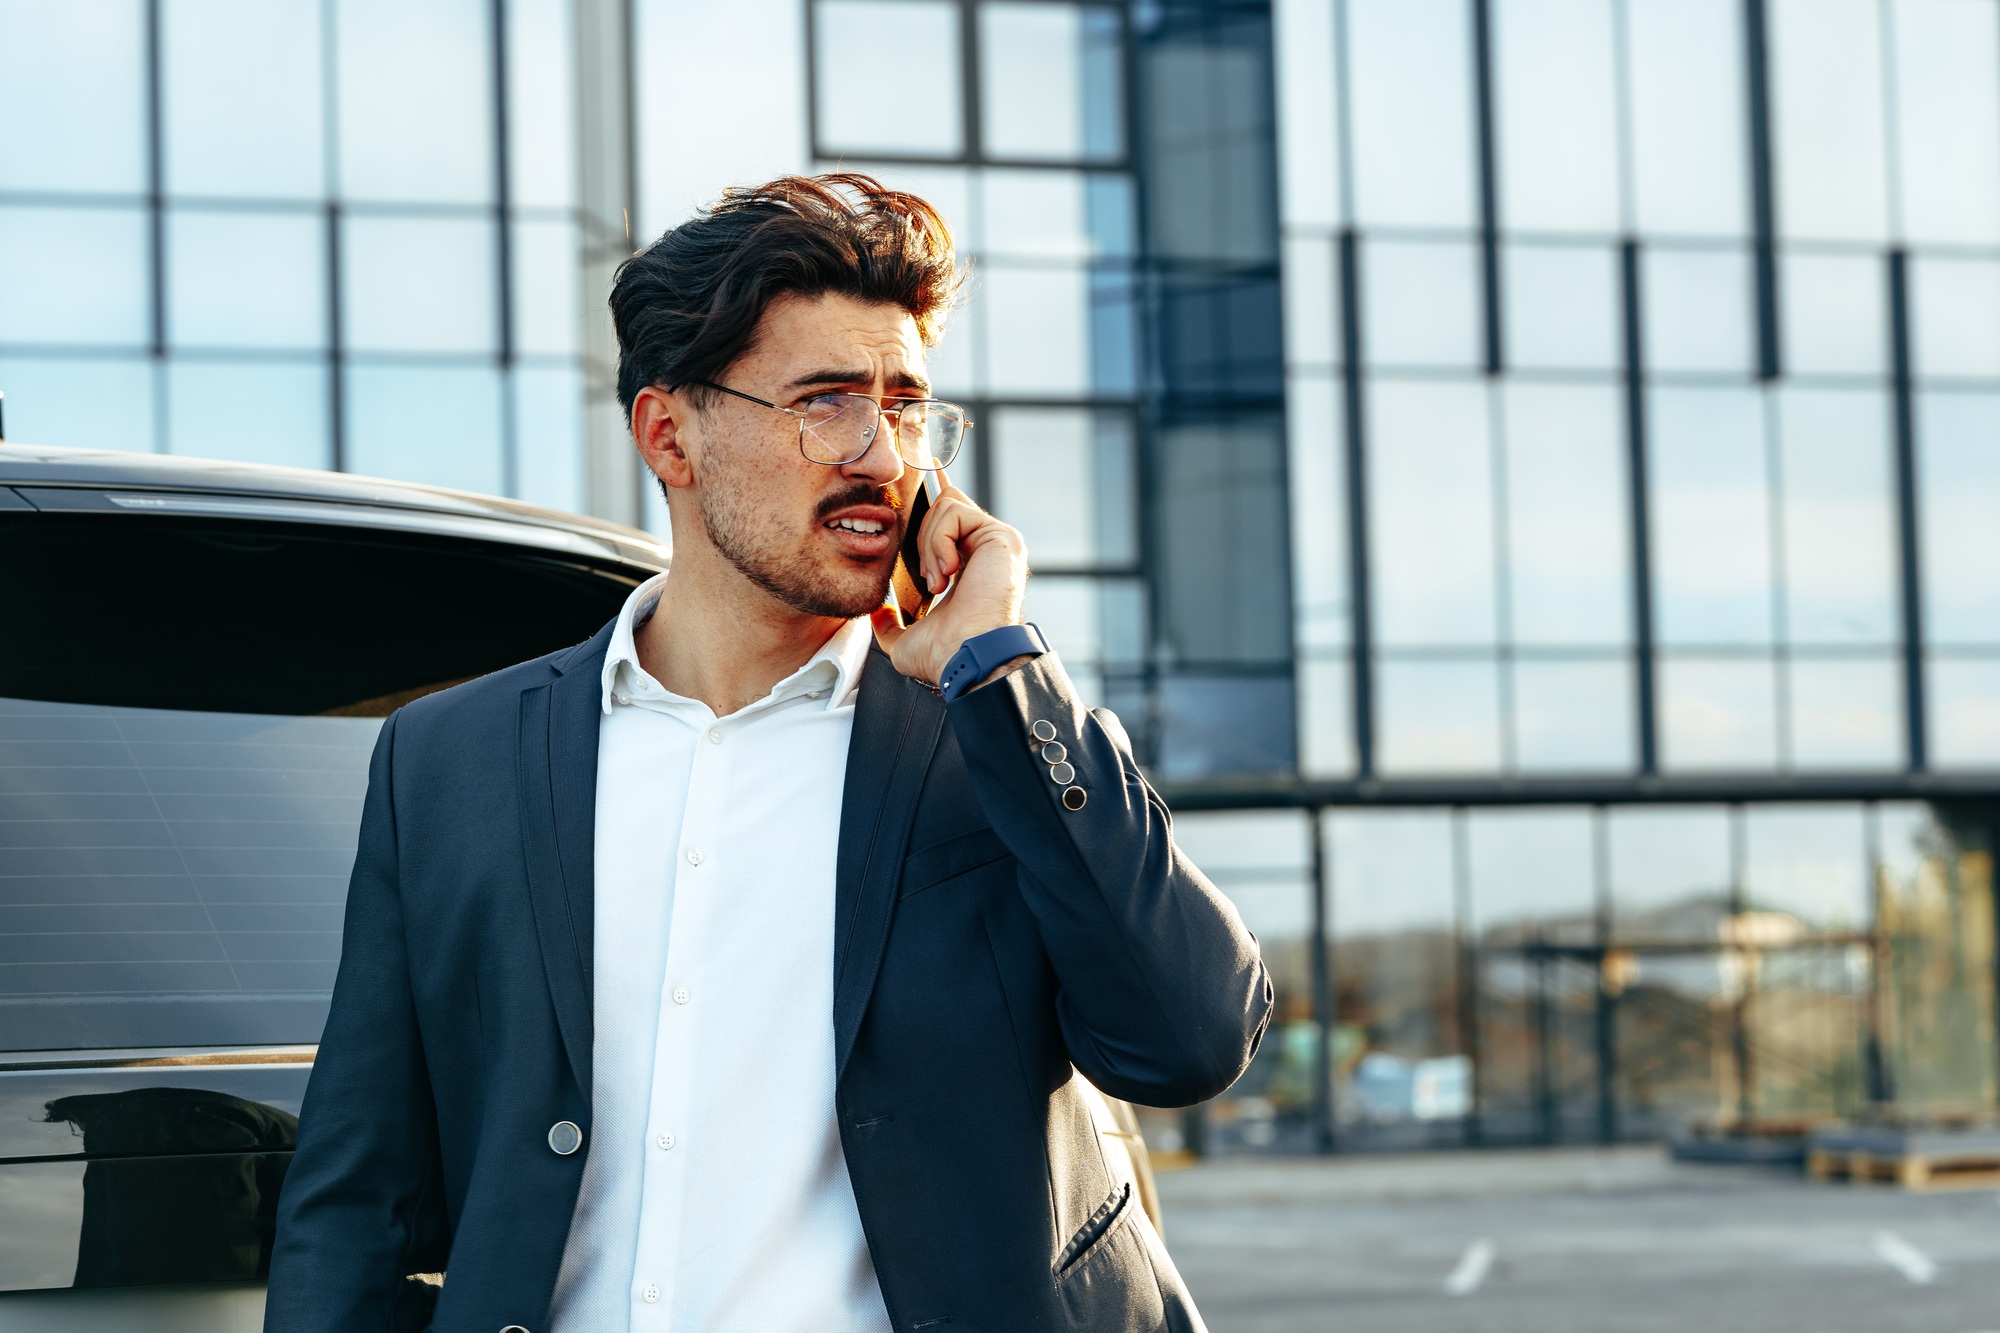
(51, 477)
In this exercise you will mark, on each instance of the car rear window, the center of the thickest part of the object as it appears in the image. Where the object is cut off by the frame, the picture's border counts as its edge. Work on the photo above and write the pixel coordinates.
(187, 710)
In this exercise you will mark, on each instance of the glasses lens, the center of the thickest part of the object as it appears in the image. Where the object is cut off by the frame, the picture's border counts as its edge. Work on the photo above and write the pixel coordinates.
(928, 433)
(838, 427)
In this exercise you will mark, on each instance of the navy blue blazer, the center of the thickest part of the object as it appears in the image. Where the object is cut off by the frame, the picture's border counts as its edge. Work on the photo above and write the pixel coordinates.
(990, 945)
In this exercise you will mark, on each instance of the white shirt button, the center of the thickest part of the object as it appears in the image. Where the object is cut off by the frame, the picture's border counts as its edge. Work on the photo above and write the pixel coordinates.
(680, 995)
(666, 1142)
(815, 694)
(651, 1295)
(715, 735)
(694, 857)
(621, 697)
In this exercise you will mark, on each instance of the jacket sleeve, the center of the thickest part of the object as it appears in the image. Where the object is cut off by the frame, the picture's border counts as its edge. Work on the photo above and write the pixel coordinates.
(1163, 994)
(363, 1205)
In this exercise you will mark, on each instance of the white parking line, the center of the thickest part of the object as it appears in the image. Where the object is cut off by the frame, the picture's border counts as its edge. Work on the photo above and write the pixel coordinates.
(1472, 1268)
(1906, 1258)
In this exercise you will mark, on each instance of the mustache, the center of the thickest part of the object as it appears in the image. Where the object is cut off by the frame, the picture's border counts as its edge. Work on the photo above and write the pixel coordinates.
(860, 493)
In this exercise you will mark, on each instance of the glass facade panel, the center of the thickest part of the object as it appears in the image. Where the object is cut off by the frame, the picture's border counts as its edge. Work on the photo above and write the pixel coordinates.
(241, 279)
(1438, 717)
(1827, 140)
(1312, 309)
(1049, 81)
(1846, 713)
(435, 424)
(1533, 874)
(1958, 494)
(1224, 598)
(1948, 120)
(548, 303)
(1809, 862)
(77, 74)
(1718, 713)
(74, 276)
(1035, 214)
(1303, 40)
(416, 101)
(1558, 115)
(243, 98)
(1562, 307)
(1410, 76)
(541, 96)
(1835, 320)
(1697, 310)
(1420, 304)
(1431, 501)
(1067, 611)
(1686, 88)
(1672, 872)
(548, 435)
(418, 285)
(1317, 483)
(1955, 317)
(100, 402)
(1711, 517)
(1063, 476)
(1572, 716)
(1838, 519)
(1037, 329)
(1569, 551)
(1326, 716)
(1964, 699)
(1208, 149)
(249, 412)
(854, 111)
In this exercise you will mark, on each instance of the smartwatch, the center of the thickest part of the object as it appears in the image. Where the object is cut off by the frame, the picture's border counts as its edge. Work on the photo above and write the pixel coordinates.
(978, 655)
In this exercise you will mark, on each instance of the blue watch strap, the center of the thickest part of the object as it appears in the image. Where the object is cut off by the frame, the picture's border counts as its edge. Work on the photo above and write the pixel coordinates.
(979, 654)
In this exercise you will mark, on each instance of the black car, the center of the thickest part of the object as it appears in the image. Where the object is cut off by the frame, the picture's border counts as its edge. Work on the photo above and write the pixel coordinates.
(195, 658)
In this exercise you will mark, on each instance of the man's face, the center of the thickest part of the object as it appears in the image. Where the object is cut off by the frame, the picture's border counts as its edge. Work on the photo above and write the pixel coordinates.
(820, 539)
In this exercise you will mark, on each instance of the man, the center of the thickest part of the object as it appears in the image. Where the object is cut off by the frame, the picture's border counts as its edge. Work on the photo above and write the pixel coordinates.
(734, 971)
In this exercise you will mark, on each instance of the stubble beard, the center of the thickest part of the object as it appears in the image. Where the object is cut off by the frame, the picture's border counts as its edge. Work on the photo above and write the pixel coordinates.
(754, 542)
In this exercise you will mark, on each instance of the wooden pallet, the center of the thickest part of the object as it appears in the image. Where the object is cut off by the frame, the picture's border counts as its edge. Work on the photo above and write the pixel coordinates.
(1916, 1171)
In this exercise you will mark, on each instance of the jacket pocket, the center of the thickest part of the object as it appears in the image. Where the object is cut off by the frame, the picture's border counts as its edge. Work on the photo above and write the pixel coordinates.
(933, 865)
(1093, 1234)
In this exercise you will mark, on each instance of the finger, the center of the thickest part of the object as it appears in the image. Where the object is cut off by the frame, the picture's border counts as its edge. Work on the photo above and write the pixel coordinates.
(888, 624)
(950, 521)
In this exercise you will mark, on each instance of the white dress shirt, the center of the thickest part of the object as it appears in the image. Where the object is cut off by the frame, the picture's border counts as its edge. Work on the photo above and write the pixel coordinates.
(715, 1197)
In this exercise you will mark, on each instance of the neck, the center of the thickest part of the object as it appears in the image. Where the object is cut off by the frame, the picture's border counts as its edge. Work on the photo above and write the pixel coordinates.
(720, 638)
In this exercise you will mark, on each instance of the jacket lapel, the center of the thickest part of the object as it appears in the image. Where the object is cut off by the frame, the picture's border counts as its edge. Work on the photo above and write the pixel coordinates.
(558, 755)
(896, 728)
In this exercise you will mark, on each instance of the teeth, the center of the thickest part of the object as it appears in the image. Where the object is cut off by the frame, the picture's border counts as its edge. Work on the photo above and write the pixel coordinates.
(867, 525)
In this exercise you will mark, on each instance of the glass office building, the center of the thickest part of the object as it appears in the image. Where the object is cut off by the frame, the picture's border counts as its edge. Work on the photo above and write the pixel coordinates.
(1527, 472)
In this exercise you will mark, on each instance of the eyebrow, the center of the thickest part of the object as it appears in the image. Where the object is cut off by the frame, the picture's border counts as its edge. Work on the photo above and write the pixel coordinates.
(819, 378)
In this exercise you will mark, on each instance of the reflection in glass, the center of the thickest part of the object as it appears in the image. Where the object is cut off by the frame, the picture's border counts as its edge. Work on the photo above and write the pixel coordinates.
(1717, 713)
(1671, 872)
(1846, 713)
(1557, 114)
(249, 412)
(1569, 553)
(1208, 168)
(74, 275)
(1955, 317)
(1685, 58)
(1948, 121)
(1833, 313)
(1037, 329)
(1838, 521)
(1420, 303)
(101, 402)
(1826, 112)
(242, 99)
(1696, 306)
(1561, 307)
(1409, 63)
(1326, 716)
(1437, 716)
(77, 74)
(1572, 716)
(548, 435)
(1064, 477)
(541, 119)
(1222, 578)
(1533, 874)
(417, 284)
(547, 301)
(1958, 494)
(1219, 725)
(1431, 513)
(857, 110)
(416, 101)
(1963, 697)
(1809, 862)
(1049, 82)
(435, 424)
(237, 279)
(1711, 517)
(1316, 483)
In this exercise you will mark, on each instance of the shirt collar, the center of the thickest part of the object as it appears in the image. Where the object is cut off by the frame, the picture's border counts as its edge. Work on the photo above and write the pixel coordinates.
(832, 675)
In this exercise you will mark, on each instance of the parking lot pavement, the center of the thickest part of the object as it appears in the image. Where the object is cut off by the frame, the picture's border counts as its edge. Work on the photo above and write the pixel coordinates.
(1574, 1241)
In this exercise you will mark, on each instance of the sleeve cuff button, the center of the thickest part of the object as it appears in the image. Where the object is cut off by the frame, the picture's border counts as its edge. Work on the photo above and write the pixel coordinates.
(1074, 797)
(1062, 774)
(1042, 730)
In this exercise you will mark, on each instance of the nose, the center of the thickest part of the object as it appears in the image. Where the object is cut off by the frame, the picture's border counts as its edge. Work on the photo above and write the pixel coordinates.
(882, 462)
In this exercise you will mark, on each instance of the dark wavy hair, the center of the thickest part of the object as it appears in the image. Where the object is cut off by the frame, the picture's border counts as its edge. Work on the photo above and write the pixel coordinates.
(689, 304)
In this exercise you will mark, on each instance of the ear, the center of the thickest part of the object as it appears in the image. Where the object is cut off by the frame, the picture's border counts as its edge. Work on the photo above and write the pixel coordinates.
(660, 422)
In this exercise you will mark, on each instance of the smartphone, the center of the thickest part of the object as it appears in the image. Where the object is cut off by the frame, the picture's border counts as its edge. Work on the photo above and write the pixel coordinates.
(913, 595)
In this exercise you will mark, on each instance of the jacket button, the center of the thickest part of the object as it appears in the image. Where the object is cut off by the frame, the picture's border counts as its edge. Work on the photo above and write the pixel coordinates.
(1043, 731)
(1054, 752)
(1074, 797)
(565, 1138)
(1062, 774)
